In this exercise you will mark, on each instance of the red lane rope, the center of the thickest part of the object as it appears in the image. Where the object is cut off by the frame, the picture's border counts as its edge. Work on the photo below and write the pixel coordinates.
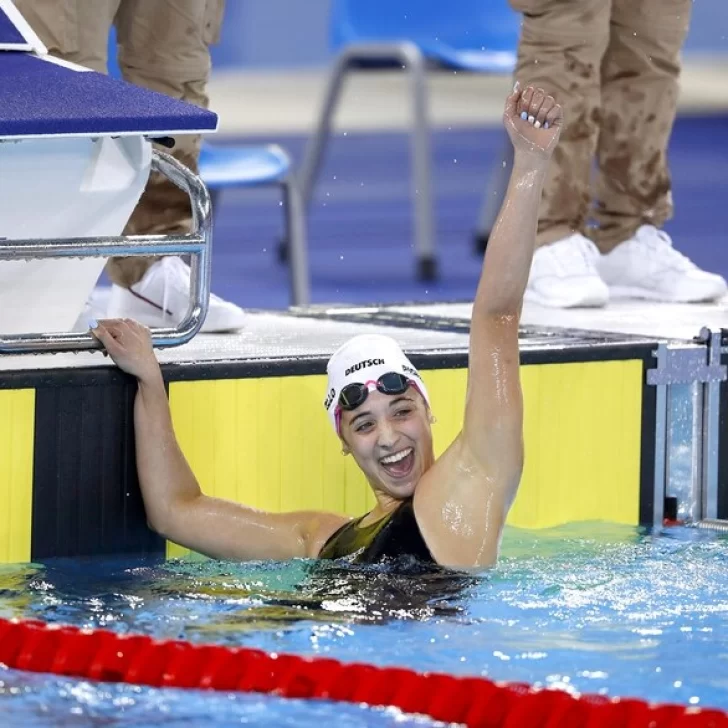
(107, 657)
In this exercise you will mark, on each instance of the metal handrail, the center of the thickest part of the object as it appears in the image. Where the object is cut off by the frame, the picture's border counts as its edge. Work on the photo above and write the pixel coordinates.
(197, 244)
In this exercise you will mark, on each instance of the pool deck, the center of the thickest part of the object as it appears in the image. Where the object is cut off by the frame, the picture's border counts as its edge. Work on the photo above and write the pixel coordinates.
(269, 334)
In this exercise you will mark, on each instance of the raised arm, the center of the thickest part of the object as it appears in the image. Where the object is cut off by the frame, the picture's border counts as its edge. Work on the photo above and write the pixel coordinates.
(175, 506)
(462, 503)
(493, 412)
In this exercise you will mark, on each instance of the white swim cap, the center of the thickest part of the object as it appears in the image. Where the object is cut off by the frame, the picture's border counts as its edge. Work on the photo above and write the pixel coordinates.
(362, 360)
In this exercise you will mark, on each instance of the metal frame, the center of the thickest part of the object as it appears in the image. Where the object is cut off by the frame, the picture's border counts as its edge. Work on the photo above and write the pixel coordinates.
(295, 228)
(711, 425)
(415, 63)
(197, 245)
(681, 365)
(294, 213)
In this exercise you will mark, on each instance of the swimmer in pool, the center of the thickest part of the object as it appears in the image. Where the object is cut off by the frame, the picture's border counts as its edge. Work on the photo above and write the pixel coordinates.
(448, 511)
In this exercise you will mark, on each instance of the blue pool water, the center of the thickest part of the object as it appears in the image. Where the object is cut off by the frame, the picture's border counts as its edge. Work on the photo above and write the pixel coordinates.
(590, 607)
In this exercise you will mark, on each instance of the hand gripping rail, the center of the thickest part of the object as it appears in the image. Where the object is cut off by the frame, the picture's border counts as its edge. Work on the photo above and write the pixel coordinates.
(197, 244)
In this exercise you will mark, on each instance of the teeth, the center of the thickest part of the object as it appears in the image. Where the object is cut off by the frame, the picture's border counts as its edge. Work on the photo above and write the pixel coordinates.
(396, 457)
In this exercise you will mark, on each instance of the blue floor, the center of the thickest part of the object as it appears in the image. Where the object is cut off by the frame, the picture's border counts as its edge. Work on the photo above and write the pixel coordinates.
(360, 234)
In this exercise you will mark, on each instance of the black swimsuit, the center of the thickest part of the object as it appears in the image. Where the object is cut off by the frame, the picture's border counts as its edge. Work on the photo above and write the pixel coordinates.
(394, 536)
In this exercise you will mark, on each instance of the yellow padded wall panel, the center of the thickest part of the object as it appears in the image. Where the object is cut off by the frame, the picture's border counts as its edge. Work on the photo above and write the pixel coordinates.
(17, 420)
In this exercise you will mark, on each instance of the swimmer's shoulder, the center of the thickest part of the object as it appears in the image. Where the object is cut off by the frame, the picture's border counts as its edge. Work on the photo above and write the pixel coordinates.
(322, 526)
(455, 509)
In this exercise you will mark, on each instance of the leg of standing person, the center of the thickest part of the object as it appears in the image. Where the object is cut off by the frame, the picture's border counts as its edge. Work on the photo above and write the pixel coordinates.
(633, 193)
(165, 46)
(70, 33)
(561, 48)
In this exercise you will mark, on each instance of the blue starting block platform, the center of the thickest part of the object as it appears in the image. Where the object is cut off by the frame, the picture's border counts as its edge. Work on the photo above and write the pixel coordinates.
(44, 98)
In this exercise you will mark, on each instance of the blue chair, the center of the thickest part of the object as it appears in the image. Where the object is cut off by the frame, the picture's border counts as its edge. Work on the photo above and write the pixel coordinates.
(224, 166)
(478, 36)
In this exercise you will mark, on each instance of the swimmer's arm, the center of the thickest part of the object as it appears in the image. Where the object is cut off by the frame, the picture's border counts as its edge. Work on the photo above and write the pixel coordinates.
(178, 510)
(493, 422)
(492, 436)
(462, 502)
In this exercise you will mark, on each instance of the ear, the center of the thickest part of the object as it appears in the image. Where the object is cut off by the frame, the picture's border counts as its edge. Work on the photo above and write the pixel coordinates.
(432, 418)
(344, 447)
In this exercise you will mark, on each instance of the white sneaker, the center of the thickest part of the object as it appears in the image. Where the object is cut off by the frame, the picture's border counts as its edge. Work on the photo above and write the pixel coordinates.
(647, 266)
(161, 298)
(564, 275)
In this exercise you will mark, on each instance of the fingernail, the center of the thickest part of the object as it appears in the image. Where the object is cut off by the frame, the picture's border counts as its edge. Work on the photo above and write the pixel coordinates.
(92, 323)
(531, 119)
(545, 125)
(516, 87)
(537, 124)
(524, 115)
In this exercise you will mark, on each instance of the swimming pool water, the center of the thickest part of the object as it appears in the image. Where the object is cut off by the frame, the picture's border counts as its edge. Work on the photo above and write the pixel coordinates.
(590, 608)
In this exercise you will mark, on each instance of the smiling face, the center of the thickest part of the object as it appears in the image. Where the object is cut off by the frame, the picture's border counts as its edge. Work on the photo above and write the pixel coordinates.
(390, 438)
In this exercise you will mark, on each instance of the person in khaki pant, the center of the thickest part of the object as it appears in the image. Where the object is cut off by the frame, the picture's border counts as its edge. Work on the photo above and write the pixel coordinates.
(163, 45)
(613, 65)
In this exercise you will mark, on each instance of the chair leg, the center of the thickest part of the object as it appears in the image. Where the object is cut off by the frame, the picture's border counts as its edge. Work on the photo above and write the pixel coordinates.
(423, 204)
(313, 154)
(494, 195)
(297, 243)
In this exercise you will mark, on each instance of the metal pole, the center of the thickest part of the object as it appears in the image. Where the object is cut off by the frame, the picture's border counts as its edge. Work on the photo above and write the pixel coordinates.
(711, 429)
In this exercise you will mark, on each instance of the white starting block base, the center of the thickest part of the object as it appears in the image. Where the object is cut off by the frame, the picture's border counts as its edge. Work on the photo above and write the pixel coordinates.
(63, 188)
